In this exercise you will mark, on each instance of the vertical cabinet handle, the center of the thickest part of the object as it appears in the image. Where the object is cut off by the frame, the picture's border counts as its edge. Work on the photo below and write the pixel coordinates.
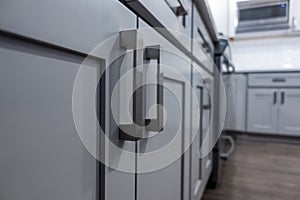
(156, 124)
(180, 9)
(133, 40)
(207, 106)
(282, 97)
(275, 98)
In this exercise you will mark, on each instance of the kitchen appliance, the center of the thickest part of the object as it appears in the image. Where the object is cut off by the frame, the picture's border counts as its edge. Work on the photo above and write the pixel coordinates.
(259, 15)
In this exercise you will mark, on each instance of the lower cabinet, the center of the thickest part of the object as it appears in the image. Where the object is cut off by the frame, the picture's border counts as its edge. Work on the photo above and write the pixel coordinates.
(262, 110)
(201, 157)
(288, 112)
(236, 87)
(161, 162)
(274, 111)
(41, 154)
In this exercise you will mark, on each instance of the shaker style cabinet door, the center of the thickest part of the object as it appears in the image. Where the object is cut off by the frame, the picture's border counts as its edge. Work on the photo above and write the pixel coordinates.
(200, 161)
(41, 154)
(196, 162)
(160, 161)
(262, 110)
(236, 87)
(289, 108)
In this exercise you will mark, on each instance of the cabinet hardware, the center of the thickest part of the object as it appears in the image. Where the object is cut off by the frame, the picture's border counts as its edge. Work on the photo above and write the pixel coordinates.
(208, 105)
(275, 98)
(280, 80)
(180, 9)
(153, 53)
(133, 40)
(282, 98)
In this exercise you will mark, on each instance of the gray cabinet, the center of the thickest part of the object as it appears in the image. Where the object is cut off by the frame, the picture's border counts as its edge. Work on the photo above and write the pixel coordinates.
(41, 152)
(202, 47)
(162, 168)
(42, 46)
(288, 113)
(262, 110)
(273, 103)
(201, 157)
(274, 111)
(236, 89)
(176, 17)
(76, 25)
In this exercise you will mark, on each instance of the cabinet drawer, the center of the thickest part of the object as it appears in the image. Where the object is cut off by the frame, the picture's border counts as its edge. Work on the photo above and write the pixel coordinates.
(202, 44)
(175, 15)
(74, 24)
(270, 80)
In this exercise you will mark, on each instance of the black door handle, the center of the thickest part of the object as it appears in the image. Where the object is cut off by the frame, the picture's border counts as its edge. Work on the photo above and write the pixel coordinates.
(153, 52)
(282, 97)
(275, 98)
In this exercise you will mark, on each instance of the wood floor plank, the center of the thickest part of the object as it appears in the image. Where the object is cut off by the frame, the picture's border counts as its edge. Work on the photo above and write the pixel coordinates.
(260, 171)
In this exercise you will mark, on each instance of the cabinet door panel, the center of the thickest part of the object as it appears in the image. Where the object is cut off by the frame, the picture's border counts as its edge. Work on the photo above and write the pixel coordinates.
(167, 145)
(197, 183)
(41, 154)
(236, 87)
(200, 162)
(289, 109)
(262, 110)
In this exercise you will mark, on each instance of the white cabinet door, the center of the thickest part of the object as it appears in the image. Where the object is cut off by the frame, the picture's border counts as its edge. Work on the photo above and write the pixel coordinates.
(289, 109)
(262, 110)
(160, 163)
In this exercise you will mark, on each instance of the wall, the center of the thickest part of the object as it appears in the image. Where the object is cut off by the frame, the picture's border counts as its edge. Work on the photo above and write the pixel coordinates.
(269, 51)
(277, 53)
(225, 15)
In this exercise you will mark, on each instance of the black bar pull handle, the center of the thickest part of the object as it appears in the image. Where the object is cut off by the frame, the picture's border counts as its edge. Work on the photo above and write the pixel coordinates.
(275, 98)
(280, 80)
(282, 98)
(153, 53)
(180, 9)
(132, 40)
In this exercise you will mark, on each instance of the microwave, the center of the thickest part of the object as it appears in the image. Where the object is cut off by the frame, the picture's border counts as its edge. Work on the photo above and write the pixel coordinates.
(259, 15)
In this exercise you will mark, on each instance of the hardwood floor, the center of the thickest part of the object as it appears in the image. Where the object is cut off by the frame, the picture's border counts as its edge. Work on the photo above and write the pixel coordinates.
(260, 171)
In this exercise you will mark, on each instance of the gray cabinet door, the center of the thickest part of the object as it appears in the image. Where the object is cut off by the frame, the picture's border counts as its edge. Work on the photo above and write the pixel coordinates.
(236, 87)
(262, 110)
(200, 163)
(289, 108)
(41, 154)
(196, 164)
(160, 164)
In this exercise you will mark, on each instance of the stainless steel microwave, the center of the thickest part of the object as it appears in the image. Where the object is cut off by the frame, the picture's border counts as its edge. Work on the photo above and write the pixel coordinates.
(263, 15)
